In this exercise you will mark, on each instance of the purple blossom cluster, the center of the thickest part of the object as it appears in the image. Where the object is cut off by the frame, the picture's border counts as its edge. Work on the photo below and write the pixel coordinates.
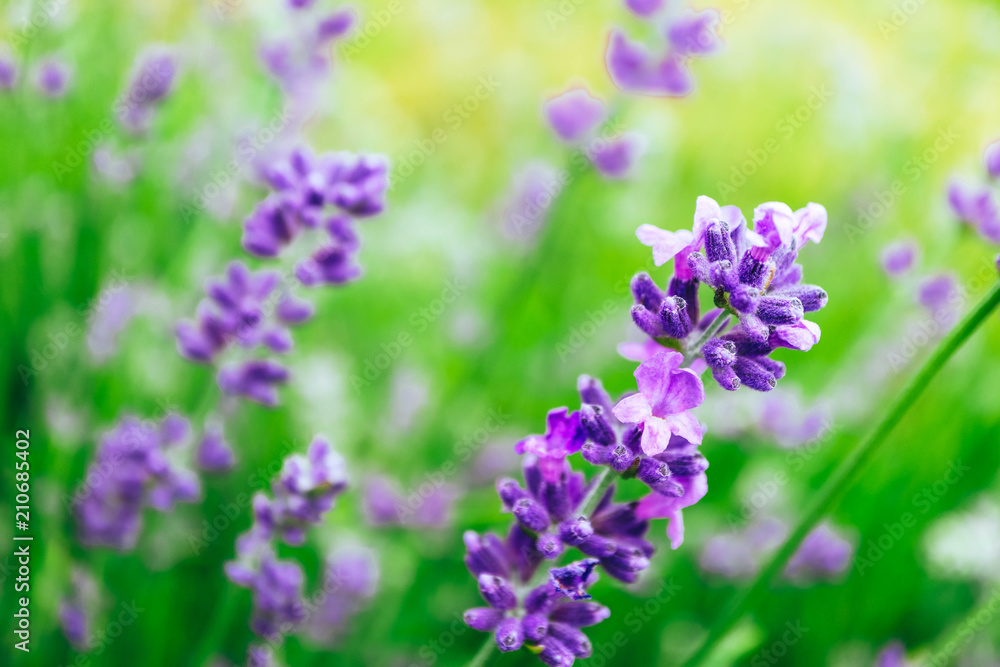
(350, 580)
(304, 491)
(651, 435)
(661, 67)
(575, 116)
(300, 59)
(975, 202)
(756, 282)
(246, 309)
(134, 467)
(327, 193)
(430, 506)
(53, 77)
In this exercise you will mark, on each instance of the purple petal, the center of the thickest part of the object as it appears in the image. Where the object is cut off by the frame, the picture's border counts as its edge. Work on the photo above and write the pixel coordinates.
(574, 114)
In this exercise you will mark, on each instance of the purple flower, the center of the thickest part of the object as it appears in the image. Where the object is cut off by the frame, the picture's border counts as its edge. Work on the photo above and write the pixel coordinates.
(977, 206)
(899, 257)
(76, 608)
(658, 506)
(616, 157)
(131, 470)
(304, 491)
(563, 436)
(823, 554)
(645, 8)
(694, 33)
(666, 394)
(892, 655)
(669, 245)
(214, 454)
(385, 505)
(327, 193)
(52, 78)
(256, 380)
(337, 25)
(574, 114)
(8, 72)
(937, 293)
(526, 206)
(635, 70)
(349, 581)
(151, 82)
(991, 159)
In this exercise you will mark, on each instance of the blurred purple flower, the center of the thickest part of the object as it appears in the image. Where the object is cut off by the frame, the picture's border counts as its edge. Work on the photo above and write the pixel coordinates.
(899, 257)
(574, 114)
(52, 78)
(131, 470)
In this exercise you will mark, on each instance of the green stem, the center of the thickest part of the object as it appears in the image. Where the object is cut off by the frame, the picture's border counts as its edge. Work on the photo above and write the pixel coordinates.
(220, 622)
(484, 653)
(847, 472)
(604, 479)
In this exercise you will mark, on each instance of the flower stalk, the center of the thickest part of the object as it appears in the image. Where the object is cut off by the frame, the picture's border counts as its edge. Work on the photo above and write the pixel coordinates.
(848, 472)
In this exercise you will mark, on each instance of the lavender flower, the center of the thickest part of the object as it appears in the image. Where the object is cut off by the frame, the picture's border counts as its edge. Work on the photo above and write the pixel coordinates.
(299, 62)
(526, 206)
(899, 257)
(132, 470)
(543, 618)
(563, 436)
(214, 454)
(991, 159)
(304, 491)
(977, 206)
(52, 78)
(663, 70)
(243, 308)
(327, 193)
(385, 505)
(755, 279)
(666, 394)
(151, 82)
(892, 655)
(349, 582)
(939, 295)
(824, 554)
(575, 116)
(75, 610)
(8, 72)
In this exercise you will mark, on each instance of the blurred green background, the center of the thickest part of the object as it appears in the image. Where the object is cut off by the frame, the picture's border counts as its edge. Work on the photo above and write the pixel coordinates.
(853, 94)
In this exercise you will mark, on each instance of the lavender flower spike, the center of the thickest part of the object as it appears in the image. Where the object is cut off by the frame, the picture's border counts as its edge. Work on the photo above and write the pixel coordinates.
(52, 78)
(666, 394)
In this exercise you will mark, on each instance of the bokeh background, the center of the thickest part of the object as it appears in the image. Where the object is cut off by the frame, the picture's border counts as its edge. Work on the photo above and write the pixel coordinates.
(855, 96)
